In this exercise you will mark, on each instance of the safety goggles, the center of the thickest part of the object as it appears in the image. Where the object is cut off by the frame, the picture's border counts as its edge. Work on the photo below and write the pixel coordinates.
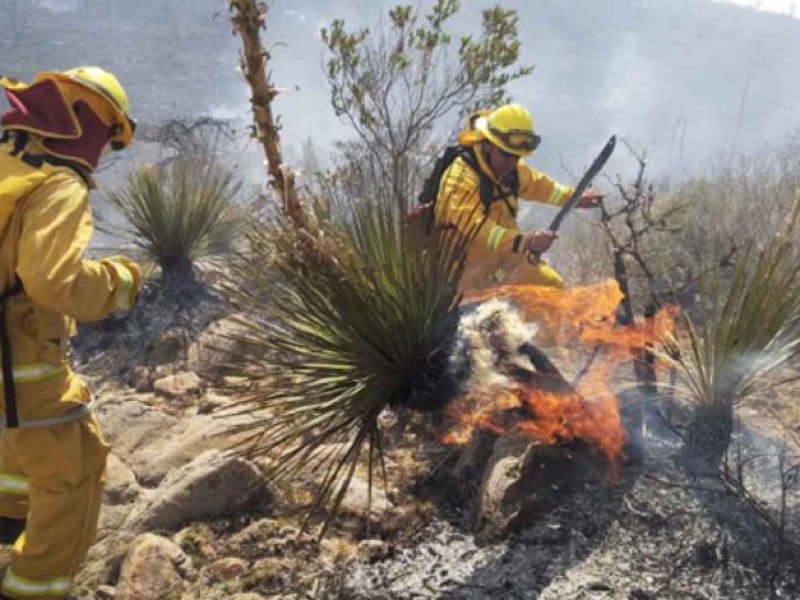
(119, 140)
(519, 140)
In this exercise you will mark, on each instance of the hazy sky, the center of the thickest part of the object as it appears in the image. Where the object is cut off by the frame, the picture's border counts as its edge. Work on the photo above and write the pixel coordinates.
(783, 7)
(684, 79)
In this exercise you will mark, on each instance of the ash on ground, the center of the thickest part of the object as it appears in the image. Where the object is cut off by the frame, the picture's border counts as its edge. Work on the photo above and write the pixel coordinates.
(654, 534)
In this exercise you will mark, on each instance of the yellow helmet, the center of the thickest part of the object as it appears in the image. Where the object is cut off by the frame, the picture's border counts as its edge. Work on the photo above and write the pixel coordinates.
(107, 97)
(510, 128)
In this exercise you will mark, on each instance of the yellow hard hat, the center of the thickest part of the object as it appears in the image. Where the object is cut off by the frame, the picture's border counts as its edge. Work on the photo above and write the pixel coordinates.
(510, 128)
(104, 86)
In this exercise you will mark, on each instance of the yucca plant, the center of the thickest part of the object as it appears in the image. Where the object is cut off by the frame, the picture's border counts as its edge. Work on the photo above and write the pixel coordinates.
(747, 328)
(179, 211)
(371, 326)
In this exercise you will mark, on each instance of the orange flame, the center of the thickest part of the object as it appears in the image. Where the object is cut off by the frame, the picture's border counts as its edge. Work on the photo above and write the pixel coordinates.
(585, 318)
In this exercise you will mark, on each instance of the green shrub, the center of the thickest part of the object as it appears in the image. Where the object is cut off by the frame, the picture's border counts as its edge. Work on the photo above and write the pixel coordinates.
(369, 326)
(180, 211)
(747, 327)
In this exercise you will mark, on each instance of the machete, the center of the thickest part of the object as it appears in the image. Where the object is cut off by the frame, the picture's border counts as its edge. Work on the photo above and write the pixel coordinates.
(596, 166)
(585, 182)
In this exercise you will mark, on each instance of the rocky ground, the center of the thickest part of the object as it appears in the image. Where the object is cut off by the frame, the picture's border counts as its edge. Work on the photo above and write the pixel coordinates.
(503, 518)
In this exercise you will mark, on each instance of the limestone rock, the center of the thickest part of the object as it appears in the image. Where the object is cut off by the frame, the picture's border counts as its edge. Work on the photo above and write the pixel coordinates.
(181, 444)
(154, 568)
(103, 563)
(211, 485)
(112, 518)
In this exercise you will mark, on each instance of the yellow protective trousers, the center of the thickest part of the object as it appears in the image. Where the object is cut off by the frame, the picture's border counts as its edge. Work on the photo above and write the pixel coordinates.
(53, 477)
(517, 271)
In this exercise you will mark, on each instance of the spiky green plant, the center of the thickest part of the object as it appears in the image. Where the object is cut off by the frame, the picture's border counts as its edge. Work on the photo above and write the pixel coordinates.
(370, 325)
(747, 328)
(179, 211)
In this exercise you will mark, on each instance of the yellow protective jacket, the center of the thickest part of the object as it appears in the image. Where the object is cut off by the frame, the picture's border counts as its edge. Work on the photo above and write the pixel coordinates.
(45, 227)
(495, 256)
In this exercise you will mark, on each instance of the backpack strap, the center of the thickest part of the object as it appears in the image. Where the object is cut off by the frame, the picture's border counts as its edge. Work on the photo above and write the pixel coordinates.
(10, 395)
(489, 192)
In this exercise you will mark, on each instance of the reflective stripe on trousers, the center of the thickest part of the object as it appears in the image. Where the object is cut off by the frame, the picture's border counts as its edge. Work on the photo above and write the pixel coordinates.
(35, 372)
(21, 586)
(13, 484)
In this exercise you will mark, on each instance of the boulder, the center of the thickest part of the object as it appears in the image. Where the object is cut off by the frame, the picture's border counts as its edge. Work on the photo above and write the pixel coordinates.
(130, 425)
(210, 486)
(153, 568)
(105, 558)
(121, 486)
(154, 443)
(181, 444)
(112, 518)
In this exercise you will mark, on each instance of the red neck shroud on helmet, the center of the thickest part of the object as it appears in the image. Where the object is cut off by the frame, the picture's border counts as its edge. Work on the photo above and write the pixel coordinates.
(73, 132)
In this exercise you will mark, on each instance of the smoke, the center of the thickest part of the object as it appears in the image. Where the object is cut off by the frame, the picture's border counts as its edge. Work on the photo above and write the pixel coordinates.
(489, 337)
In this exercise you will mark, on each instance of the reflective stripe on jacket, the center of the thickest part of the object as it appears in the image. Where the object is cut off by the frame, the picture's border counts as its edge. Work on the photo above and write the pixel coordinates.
(42, 244)
(498, 241)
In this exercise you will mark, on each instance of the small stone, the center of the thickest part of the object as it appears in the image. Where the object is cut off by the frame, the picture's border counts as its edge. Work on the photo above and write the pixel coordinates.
(153, 568)
(265, 572)
(142, 379)
(287, 531)
(178, 385)
(357, 500)
(105, 592)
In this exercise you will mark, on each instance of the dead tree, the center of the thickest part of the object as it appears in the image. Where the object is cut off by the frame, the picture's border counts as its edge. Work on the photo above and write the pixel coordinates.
(249, 18)
(628, 226)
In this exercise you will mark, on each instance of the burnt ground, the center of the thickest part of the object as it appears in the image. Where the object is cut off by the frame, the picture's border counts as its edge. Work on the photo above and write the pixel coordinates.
(655, 533)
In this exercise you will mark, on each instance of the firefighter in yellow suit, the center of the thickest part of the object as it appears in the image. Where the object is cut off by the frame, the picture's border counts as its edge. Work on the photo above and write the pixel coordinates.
(52, 454)
(501, 253)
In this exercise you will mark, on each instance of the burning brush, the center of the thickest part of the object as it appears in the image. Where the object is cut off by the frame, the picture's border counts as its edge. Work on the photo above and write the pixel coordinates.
(381, 326)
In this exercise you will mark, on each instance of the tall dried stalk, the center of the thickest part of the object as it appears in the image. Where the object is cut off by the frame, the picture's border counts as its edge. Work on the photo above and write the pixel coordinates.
(249, 18)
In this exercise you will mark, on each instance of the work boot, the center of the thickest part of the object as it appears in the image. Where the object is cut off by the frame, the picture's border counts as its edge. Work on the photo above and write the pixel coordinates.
(11, 529)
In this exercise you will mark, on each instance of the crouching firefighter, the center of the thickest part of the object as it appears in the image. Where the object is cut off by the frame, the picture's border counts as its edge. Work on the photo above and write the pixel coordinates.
(52, 454)
(475, 187)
